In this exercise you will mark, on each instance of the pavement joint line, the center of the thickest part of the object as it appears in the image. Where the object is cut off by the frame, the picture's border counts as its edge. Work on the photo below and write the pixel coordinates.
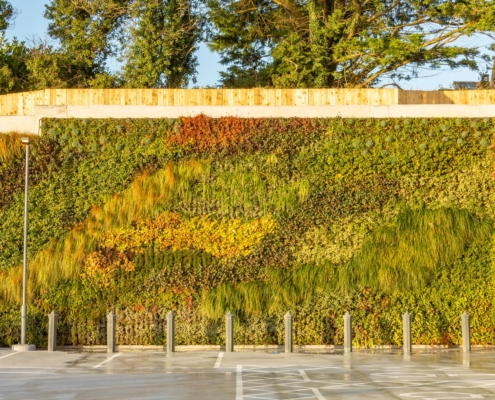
(8, 355)
(107, 360)
(219, 360)
(238, 388)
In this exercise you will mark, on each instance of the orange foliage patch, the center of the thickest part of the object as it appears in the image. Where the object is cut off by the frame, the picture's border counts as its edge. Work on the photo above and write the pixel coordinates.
(205, 134)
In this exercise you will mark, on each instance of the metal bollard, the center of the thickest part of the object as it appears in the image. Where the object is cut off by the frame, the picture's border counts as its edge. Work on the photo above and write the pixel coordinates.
(111, 332)
(406, 324)
(170, 332)
(466, 333)
(52, 331)
(229, 337)
(288, 332)
(347, 333)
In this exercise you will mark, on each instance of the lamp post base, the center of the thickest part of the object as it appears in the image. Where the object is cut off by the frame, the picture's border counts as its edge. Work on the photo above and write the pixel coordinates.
(23, 347)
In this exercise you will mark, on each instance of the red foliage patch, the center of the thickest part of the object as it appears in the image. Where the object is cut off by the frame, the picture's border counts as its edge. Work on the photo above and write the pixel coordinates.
(206, 134)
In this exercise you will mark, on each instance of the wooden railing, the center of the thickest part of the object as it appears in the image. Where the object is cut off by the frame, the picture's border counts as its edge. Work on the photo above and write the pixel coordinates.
(24, 103)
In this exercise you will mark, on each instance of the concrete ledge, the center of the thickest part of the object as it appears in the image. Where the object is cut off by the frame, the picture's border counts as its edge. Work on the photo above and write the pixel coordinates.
(18, 124)
(23, 347)
(254, 348)
(30, 124)
(392, 111)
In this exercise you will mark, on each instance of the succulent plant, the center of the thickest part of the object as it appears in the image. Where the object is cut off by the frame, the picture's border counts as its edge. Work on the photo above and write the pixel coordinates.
(477, 135)
(486, 120)
(464, 134)
(407, 121)
(102, 140)
(389, 139)
(365, 152)
(52, 132)
(445, 139)
(458, 121)
(474, 124)
(93, 147)
(412, 153)
(119, 146)
(356, 143)
(349, 121)
(397, 127)
(369, 143)
(384, 153)
(484, 143)
(425, 121)
(75, 143)
(383, 123)
(461, 141)
(423, 146)
(444, 128)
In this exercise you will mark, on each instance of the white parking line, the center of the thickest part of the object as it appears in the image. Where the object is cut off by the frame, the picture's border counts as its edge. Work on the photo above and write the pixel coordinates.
(238, 388)
(317, 394)
(107, 360)
(219, 361)
(303, 374)
(8, 355)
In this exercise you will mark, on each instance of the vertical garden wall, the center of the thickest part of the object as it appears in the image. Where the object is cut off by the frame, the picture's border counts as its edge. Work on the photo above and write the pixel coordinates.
(256, 216)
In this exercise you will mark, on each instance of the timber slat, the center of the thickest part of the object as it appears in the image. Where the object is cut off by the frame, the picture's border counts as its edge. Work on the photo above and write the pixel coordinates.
(24, 103)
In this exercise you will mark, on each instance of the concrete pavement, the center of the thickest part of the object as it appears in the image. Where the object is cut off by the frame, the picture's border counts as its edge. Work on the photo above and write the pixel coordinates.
(437, 374)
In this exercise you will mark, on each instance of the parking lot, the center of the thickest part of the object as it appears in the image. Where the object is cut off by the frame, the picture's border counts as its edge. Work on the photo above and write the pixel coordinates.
(439, 374)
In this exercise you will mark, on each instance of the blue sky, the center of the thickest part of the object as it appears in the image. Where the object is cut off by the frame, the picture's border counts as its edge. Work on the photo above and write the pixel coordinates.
(30, 22)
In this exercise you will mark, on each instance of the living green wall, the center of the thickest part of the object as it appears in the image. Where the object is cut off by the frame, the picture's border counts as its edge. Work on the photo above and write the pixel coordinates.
(256, 216)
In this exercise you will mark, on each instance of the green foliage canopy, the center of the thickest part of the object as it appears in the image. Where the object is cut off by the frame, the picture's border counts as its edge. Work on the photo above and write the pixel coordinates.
(313, 43)
(7, 13)
(162, 45)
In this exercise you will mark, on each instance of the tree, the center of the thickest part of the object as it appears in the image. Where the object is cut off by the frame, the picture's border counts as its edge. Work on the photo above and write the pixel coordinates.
(13, 69)
(7, 14)
(243, 39)
(88, 31)
(162, 45)
(344, 43)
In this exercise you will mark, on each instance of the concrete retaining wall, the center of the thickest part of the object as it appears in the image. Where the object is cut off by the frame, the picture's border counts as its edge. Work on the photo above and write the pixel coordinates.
(31, 123)
(18, 124)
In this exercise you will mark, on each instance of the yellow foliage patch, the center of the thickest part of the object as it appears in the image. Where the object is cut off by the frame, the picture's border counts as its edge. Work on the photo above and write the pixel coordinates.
(223, 239)
(220, 238)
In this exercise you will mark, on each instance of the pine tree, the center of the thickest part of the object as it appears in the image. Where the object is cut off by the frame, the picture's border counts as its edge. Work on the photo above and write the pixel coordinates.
(162, 45)
(344, 43)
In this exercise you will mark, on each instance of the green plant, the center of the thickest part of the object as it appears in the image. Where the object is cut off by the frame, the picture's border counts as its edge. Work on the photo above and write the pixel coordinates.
(366, 218)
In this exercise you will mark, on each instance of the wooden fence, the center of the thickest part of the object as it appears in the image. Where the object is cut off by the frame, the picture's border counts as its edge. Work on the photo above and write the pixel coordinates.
(23, 103)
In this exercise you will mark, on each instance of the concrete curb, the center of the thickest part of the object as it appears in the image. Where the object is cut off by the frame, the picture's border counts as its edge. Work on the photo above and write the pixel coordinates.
(254, 348)
(30, 124)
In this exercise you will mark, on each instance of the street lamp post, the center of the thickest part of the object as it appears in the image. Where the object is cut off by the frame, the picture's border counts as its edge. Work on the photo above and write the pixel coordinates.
(23, 346)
